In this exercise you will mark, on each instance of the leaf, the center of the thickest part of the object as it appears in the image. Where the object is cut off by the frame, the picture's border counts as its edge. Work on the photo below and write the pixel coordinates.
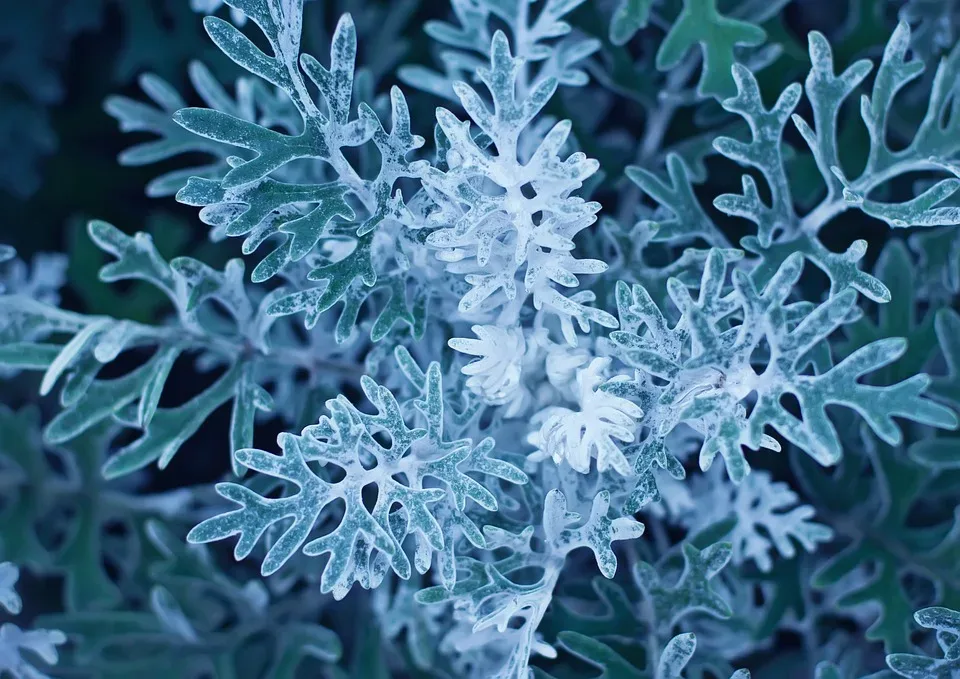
(700, 23)
(897, 318)
(693, 591)
(946, 622)
(184, 640)
(599, 655)
(174, 140)
(689, 219)
(696, 358)
(344, 439)
(872, 515)
(250, 397)
(509, 245)
(171, 427)
(273, 149)
(9, 598)
(268, 194)
(629, 17)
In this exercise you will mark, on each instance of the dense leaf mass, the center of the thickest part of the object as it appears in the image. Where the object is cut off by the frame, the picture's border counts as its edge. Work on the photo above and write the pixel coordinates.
(501, 295)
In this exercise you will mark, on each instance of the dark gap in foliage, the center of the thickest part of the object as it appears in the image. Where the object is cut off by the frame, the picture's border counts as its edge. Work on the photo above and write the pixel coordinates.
(760, 357)
(203, 458)
(814, 15)
(383, 439)
(526, 576)
(814, 282)
(187, 381)
(726, 178)
(331, 472)
(370, 494)
(921, 590)
(57, 460)
(52, 531)
(751, 399)
(791, 404)
(116, 532)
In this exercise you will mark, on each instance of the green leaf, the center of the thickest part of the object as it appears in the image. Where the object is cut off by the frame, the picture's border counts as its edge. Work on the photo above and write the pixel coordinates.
(241, 50)
(29, 355)
(273, 149)
(171, 427)
(718, 36)
(250, 397)
(873, 514)
(693, 591)
(599, 655)
(897, 318)
(689, 220)
(629, 17)
(947, 388)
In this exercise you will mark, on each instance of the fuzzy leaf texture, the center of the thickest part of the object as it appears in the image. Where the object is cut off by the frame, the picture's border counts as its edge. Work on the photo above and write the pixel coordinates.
(502, 291)
(364, 543)
(707, 364)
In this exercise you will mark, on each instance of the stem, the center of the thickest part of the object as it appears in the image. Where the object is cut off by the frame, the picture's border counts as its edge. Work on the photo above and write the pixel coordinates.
(310, 111)
(830, 209)
(650, 641)
(860, 530)
(191, 339)
(658, 120)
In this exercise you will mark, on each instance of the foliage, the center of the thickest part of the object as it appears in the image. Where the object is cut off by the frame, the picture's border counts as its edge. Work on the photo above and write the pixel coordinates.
(499, 300)
(199, 621)
(365, 541)
(14, 641)
(947, 625)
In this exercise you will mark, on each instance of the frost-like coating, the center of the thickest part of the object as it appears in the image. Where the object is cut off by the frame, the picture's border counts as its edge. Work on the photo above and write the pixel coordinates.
(499, 301)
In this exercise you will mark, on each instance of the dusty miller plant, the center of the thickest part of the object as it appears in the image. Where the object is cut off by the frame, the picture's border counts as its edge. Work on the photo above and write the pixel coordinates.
(489, 334)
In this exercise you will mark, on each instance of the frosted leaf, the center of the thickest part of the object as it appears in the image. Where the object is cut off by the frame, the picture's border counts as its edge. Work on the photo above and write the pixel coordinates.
(787, 222)
(495, 374)
(366, 541)
(211, 6)
(767, 512)
(562, 364)
(9, 598)
(692, 592)
(545, 41)
(18, 646)
(292, 185)
(596, 533)
(711, 367)
(173, 141)
(214, 315)
(946, 623)
(40, 280)
(578, 436)
(490, 599)
(504, 220)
